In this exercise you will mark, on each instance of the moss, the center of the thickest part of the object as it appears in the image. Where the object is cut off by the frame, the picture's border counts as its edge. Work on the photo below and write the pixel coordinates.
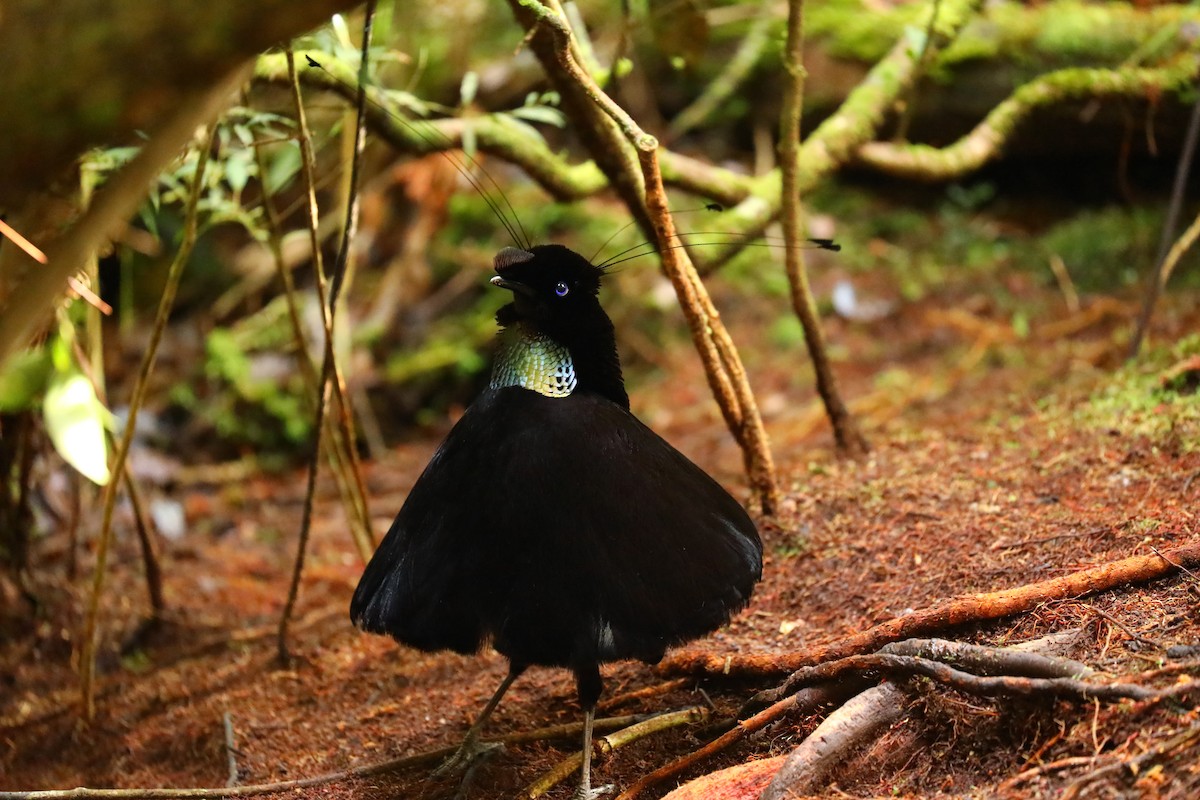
(1136, 403)
(1105, 249)
(1059, 32)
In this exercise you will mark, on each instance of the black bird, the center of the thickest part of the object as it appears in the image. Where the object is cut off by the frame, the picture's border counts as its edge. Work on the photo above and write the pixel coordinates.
(551, 523)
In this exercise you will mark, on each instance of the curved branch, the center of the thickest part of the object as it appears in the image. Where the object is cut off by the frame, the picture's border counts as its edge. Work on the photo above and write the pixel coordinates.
(494, 134)
(989, 138)
(856, 122)
(500, 136)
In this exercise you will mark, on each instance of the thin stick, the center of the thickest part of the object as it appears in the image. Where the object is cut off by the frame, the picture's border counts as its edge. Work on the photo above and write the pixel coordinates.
(308, 369)
(846, 432)
(804, 700)
(605, 745)
(307, 162)
(1164, 264)
(230, 750)
(1124, 628)
(343, 268)
(150, 560)
(88, 653)
(365, 771)
(959, 611)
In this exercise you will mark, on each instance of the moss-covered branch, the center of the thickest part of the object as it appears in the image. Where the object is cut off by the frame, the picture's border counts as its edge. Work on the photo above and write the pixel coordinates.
(989, 137)
(855, 123)
(494, 134)
(1037, 35)
(845, 137)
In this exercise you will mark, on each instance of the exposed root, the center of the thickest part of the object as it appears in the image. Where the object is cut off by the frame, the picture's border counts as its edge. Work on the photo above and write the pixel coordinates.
(969, 609)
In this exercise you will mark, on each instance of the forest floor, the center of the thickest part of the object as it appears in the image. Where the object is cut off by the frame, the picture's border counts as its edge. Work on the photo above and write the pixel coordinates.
(1000, 458)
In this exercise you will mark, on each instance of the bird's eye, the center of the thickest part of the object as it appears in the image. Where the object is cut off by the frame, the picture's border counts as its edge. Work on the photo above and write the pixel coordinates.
(561, 289)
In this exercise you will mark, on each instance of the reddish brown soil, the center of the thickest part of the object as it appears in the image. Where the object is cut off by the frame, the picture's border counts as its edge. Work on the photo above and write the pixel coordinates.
(984, 475)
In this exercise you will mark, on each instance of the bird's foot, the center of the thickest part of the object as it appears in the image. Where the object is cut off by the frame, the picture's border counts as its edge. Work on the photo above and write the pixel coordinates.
(466, 755)
(586, 792)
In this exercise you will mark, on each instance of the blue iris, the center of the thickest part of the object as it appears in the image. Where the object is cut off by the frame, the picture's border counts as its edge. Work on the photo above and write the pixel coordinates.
(561, 289)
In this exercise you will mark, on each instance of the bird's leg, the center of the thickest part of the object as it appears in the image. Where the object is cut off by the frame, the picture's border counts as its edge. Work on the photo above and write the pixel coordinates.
(471, 748)
(589, 686)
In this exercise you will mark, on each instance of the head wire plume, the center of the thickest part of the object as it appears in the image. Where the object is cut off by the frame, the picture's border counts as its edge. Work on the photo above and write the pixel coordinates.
(438, 141)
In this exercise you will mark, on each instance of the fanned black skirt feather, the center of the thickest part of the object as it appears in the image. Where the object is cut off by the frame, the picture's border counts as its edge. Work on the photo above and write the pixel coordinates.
(563, 531)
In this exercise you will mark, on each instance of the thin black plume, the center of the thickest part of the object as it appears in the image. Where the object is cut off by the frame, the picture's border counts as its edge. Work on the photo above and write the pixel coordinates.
(514, 227)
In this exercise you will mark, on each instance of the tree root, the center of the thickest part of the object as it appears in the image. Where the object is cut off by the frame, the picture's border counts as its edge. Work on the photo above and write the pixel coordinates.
(869, 713)
(866, 716)
(969, 609)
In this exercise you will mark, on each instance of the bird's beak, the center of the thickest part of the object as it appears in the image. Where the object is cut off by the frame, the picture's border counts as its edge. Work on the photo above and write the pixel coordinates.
(513, 286)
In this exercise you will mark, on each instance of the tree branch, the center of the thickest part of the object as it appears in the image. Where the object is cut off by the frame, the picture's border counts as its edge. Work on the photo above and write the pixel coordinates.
(989, 137)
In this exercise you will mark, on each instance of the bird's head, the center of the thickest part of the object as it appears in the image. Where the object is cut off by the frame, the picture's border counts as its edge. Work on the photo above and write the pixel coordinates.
(553, 287)
(555, 297)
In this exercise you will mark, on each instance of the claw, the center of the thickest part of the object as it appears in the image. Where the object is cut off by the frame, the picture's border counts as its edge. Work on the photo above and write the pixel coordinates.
(467, 754)
(587, 793)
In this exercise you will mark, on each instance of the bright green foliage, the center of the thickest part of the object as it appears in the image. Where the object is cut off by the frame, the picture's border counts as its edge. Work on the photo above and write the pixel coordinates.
(76, 422)
(24, 380)
(1137, 403)
(242, 403)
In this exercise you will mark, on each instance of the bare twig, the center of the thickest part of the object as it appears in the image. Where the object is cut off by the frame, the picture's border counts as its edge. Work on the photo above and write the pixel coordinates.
(1134, 766)
(1125, 628)
(1166, 260)
(968, 609)
(641, 694)
(174, 273)
(330, 373)
(722, 364)
(799, 702)
(230, 750)
(846, 432)
(308, 372)
(551, 732)
(145, 533)
(605, 745)
(342, 270)
(307, 169)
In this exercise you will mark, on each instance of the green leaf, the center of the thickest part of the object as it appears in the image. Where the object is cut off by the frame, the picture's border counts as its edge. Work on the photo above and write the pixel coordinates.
(342, 31)
(548, 116)
(242, 132)
(24, 380)
(237, 169)
(75, 420)
(469, 87)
